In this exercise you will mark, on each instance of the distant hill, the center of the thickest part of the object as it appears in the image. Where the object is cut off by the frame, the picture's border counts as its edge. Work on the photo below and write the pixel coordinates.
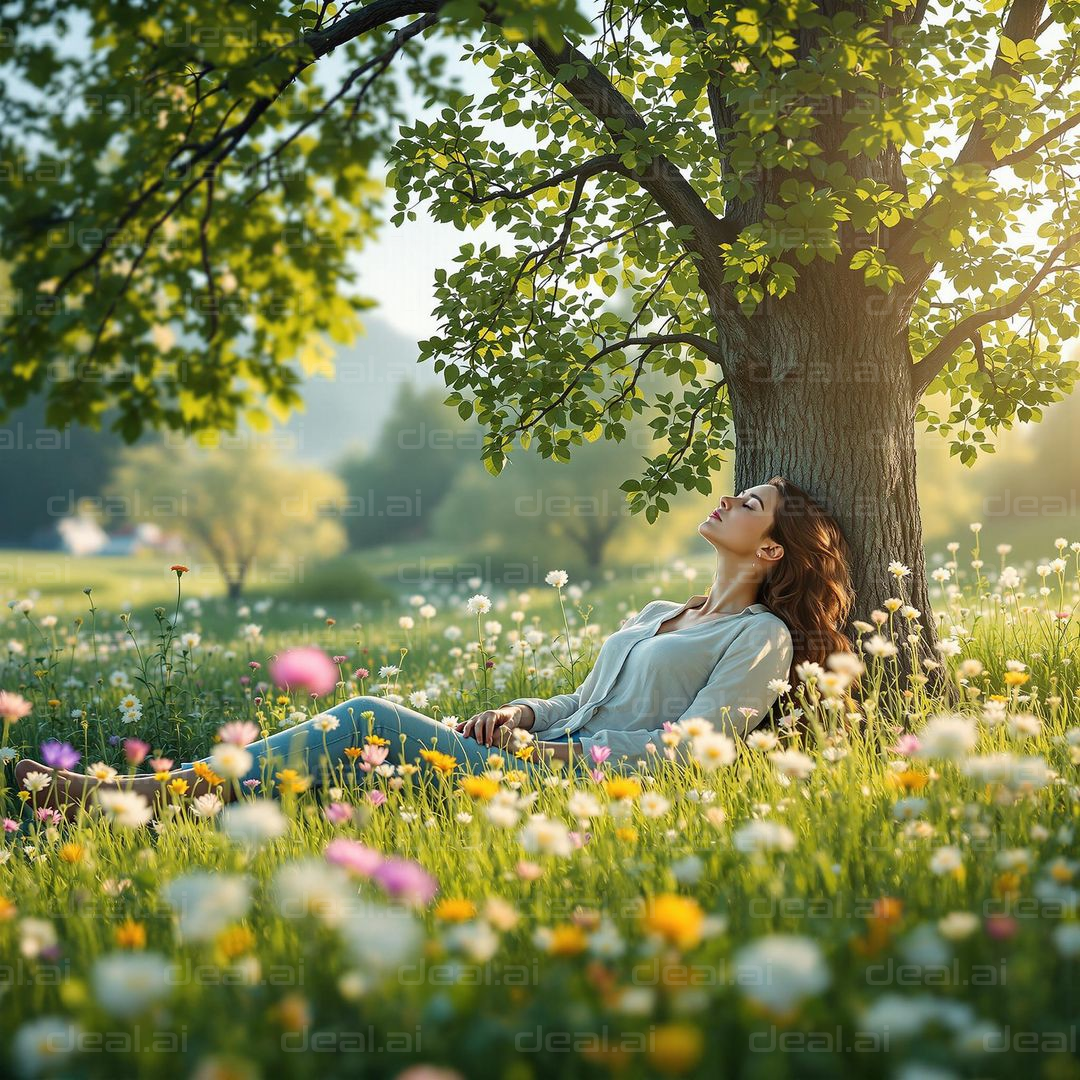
(352, 407)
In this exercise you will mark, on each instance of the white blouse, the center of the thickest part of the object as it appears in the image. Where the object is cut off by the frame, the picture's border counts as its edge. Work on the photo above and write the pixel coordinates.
(641, 679)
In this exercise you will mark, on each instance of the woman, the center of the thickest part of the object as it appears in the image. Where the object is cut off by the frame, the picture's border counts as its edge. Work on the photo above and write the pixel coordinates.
(780, 593)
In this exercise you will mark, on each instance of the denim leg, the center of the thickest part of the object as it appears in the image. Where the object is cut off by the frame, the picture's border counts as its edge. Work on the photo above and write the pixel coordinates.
(408, 732)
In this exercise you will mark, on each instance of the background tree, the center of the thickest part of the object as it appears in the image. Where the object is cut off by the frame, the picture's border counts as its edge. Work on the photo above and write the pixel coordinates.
(240, 506)
(394, 491)
(823, 209)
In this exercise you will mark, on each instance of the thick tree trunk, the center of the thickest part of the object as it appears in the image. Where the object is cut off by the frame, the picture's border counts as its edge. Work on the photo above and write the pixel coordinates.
(832, 410)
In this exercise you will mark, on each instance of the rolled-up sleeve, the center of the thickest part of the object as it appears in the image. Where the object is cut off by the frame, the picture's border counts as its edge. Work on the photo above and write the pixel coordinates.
(760, 654)
(553, 710)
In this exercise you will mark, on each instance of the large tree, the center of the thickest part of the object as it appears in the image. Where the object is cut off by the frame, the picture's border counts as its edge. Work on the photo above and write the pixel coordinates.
(822, 210)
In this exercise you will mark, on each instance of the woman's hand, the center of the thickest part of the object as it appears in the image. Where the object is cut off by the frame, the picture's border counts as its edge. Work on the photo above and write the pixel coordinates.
(483, 726)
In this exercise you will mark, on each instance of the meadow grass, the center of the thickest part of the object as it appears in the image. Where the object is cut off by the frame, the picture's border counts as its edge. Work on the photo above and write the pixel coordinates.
(884, 890)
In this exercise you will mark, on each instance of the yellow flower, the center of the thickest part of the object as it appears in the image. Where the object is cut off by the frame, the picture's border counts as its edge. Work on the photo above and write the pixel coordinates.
(1007, 884)
(626, 834)
(516, 776)
(676, 1048)
(353, 752)
(161, 776)
(235, 941)
(908, 780)
(444, 763)
(204, 772)
(71, 852)
(525, 752)
(479, 787)
(622, 787)
(567, 940)
(376, 740)
(1016, 678)
(292, 782)
(454, 909)
(677, 919)
(54, 702)
(407, 769)
(293, 1012)
(8, 910)
(179, 786)
(997, 697)
(130, 934)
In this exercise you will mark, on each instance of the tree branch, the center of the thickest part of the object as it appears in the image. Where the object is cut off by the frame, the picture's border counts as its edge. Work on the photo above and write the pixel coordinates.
(924, 371)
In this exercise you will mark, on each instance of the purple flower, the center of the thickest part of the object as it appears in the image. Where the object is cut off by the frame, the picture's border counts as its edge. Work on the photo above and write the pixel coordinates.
(59, 755)
(406, 880)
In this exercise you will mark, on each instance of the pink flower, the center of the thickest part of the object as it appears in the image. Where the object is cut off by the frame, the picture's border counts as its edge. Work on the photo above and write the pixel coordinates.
(254, 665)
(597, 775)
(53, 817)
(13, 706)
(161, 764)
(406, 880)
(135, 750)
(376, 797)
(599, 754)
(1001, 927)
(372, 756)
(355, 857)
(251, 785)
(339, 659)
(580, 840)
(337, 813)
(239, 732)
(10, 825)
(306, 668)
(361, 673)
(528, 871)
(907, 744)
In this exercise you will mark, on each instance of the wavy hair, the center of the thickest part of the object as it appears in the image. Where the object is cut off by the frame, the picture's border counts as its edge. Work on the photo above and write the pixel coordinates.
(810, 587)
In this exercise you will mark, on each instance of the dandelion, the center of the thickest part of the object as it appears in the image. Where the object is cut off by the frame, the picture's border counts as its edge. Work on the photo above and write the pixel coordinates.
(949, 736)
(545, 836)
(679, 920)
(757, 836)
(128, 809)
(556, 578)
(231, 761)
(478, 605)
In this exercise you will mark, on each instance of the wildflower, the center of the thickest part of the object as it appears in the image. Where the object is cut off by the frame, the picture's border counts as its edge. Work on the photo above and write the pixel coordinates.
(452, 909)
(204, 772)
(130, 934)
(325, 722)
(205, 902)
(126, 984)
(71, 852)
(338, 813)
(376, 797)
(178, 786)
(43, 1045)
(950, 737)
(354, 856)
(557, 578)
(306, 668)
(59, 755)
(206, 806)
(653, 804)
(479, 787)
(405, 879)
(36, 781)
(675, 1048)
(792, 763)
(677, 919)
(947, 860)
(478, 605)
(231, 761)
(779, 970)
(443, 763)
(128, 809)
(290, 782)
(541, 834)
(713, 749)
(238, 732)
(621, 787)
(13, 706)
(254, 823)
(757, 836)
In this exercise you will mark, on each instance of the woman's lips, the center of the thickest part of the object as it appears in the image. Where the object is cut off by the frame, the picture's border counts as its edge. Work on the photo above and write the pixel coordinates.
(714, 514)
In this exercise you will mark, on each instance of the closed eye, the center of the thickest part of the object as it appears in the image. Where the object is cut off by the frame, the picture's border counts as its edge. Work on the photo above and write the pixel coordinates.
(758, 497)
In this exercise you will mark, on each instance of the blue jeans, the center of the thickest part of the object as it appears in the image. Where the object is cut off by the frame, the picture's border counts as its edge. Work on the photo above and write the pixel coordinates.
(305, 748)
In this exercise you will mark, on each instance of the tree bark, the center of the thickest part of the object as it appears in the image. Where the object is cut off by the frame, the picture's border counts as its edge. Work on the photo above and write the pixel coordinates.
(832, 410)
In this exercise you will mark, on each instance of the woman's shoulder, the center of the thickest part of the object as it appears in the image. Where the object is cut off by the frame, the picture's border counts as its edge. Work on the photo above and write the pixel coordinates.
(769, 624)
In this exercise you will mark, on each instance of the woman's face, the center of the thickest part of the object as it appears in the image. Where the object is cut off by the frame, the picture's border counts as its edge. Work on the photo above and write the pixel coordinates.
(741, 523)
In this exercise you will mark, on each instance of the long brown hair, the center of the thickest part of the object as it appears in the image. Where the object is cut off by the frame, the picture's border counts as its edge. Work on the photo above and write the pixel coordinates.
(810, 587)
